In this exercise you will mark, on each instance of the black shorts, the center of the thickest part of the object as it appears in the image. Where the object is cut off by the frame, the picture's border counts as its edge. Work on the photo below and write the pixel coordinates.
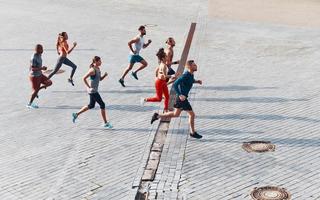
(182, 105)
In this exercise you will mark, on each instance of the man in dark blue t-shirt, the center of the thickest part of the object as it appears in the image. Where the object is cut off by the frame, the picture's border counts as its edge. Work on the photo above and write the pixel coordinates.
(182, 86)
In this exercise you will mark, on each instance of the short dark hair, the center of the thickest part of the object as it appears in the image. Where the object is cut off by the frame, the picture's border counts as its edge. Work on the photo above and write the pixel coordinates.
(190, 62)
(141, 28)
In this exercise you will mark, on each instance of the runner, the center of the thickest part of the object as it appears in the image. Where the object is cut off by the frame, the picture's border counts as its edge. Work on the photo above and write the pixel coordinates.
(95, 77)
(63, 50)
(182, 87)
(161, 81)
(169, 52)
(36, 77)
(134, 56)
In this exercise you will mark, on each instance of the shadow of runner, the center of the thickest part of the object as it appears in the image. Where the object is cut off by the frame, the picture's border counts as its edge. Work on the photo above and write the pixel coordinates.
(228, 132)
(291, 142)
(148, 91)
(257, 117)
(121, 129)
(249, 99)
(232, 88)
(128, 108)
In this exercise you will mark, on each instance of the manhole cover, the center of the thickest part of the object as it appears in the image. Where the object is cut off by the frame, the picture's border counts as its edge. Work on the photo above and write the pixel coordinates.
(258, 146)
(270, 193)
(48, 71)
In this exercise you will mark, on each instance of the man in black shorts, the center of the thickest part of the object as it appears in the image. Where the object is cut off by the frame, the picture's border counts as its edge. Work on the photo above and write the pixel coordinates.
(182, 86)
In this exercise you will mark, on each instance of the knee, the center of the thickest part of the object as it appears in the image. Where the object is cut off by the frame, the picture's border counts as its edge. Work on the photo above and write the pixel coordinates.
(49, 82)
(130, 67)
(102, 105)
(90, 106)
(191, 114)
(145, 64)
(74, 67)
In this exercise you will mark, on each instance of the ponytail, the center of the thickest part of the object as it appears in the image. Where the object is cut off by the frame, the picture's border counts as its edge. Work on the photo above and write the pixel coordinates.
(94, 60)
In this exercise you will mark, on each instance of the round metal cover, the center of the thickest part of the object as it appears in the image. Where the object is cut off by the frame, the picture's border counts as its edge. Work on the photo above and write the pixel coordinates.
(48, 71)
(258, 146)
(270, 193)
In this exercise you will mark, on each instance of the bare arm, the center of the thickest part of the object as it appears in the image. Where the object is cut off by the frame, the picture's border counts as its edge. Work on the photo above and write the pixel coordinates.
(134, 40)
(198, 81)
(147, 44)
(74, 45)
(33, 68)
(89, 73)
(102, 77)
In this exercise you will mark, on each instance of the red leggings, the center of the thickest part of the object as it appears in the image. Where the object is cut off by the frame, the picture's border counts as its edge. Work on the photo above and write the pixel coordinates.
(161, 89)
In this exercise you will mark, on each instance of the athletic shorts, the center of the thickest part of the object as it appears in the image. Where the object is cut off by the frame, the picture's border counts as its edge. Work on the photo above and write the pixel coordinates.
(135, 58)
(36, 81)
(182, 105)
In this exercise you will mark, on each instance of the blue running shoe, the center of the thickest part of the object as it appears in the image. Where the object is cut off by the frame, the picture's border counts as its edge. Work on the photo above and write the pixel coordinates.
(108, 125)
(32, 106)
(74, 117)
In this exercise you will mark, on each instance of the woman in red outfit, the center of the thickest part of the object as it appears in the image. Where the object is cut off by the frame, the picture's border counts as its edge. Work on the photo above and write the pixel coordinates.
(161, 81)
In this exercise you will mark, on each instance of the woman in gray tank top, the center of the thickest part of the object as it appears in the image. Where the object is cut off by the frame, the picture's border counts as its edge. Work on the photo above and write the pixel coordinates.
(94, 75)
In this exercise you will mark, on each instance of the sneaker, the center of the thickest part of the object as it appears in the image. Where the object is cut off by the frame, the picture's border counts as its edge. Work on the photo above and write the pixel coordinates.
(134, 74)
(32, 106)
(70, 81)
(121, 81)
(195, 135)
(74, 117)
(108, 125)
(155, 117)
(142, 101)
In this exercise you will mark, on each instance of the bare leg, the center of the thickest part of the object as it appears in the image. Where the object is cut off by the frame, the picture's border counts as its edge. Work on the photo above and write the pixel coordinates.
(35, 92)
(144, 64)
(175, 113)
(127, 70)
(191, 120)
(104, 115)
(82, 110)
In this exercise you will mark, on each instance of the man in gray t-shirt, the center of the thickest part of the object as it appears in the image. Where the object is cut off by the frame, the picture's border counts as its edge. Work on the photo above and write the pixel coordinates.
(36, 77)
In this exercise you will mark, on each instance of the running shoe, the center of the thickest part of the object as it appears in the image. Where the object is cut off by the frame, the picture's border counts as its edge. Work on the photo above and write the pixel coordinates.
(108, 125)
(155, 117)
(134, 74)
(195, 135)
(121, 81)
(70, 81)
(32, 106)
(74, 117)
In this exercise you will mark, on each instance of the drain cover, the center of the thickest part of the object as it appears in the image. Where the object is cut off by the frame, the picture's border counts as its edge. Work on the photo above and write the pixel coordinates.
(270, 193)
(258, 146)
(48, 71)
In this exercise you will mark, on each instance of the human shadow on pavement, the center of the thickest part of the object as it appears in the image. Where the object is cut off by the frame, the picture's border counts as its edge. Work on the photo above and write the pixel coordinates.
(128, 108)
(232, 88)
(291, 142)
(249, 99)
(257, 117)
(146, 91)
(228, 132)
(144, 130)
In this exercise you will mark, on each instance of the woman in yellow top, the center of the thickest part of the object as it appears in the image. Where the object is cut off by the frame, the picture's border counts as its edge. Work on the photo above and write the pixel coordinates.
(63, 50)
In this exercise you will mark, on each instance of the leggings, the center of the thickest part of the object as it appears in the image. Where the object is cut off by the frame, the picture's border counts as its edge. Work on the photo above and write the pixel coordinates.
(95, 97)
(161, 89)
(66, 61)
